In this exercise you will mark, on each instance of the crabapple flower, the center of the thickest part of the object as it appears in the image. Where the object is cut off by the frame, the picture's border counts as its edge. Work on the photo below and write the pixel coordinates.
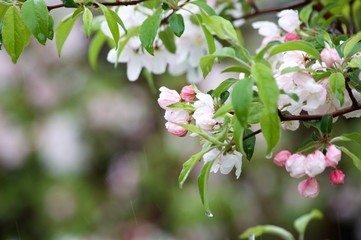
(266, 28)
(333, 156)
(177, 115)
(204, 112)
(175, 129)
(187, 93)
(309, 188)
(315, 163)
(167, 97)
(337, 177)
(330, 57)
(295, 165)
(288, 20)
(281, 158)
(224, 162)
(291, 37)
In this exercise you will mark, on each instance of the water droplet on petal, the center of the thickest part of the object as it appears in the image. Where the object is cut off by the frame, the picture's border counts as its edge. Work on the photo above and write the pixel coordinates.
(270, 155)
(209, 214)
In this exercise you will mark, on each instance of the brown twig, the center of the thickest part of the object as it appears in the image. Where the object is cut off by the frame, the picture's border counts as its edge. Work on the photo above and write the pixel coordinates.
(116, 3)
(349, 91)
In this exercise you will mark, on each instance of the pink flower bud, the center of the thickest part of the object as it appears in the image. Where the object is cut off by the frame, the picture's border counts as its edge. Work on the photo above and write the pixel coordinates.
(175, 129)
(309, 188)
(291, 37)
(281, 158)
(315, 163)
(333, 156)
(330, 57)
(337, 177)
(167, 97)
(187, 93)
(295, 165)
(177, 115)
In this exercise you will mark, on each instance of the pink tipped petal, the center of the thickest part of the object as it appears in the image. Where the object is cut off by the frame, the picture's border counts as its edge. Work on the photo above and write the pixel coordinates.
(281, 158)
(337, 177)
(333, 156)
(309, 188)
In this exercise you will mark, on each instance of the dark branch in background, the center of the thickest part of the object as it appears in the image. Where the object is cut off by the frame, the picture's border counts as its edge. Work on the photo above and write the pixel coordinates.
(271, 10)
(349, 91)
(117, 3)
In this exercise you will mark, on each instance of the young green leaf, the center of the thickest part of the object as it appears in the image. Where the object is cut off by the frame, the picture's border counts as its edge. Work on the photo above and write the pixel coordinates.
(15, 34)
(355, 159)
(35, 12)
(223, 110)
(238, 131)
(355, 62)
(242, 95)
(197, 130)
(176, 23)
(271, 128)
(50, 27)
(69, 4)
(168, 39)
(148, 31)
(87, 21)
(326, 124)
(95, 47)
(349, 45)
(202, 186)
(204, 6)
(63, 30)
(188, 166)
(267, 229)
(225, 85)
(348, 137)
(337, 85)
(301, 223)
(305, 13)
(209, 38)
(297, 45)
(249, 144)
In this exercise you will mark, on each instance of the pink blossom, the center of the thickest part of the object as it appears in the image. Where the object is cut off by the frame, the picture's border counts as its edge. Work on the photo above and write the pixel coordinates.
(309, 188)
(204, 118)
(291, 37)
(337, 177)
(187, 93)
(281, 158)
(167, 97)
(315, 163)
(333, 156)
(288, 20)
(177, 115)
(330, 57)
(295, 165)
(175, 129)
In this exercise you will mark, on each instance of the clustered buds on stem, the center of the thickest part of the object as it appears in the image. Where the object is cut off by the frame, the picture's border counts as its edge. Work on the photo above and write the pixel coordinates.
(299, 165)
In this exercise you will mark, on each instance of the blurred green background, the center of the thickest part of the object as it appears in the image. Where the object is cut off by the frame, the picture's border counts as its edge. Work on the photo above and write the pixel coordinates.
(84, 155)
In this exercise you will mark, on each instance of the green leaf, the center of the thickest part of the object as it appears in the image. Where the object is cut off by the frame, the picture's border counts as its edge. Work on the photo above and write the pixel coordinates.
(355, 159)
(350, 44)
(348, 137)
(223, 97)
(168, 39)
(204, 6)
(242, 95)
(202, 186)
(70, 4)
(209, 38)
(296, 45)
(87, 21)
(237, 69)
(269, 45)
(355, 62)
(63, 30)
(176, 23)
(337, 85)
(50, 27)
(182, 105)
(188, 166)
(238, 131)
(16, 35)
(95, 47)
(222, 28)
(35, 12)
(267, 229)
(301, 223)
(271, 128)
(326, 124)
(226, 108)
(306, 13)
(225, 85)
(254, 115)
(148, 31)
(249, 144)
(197, 130)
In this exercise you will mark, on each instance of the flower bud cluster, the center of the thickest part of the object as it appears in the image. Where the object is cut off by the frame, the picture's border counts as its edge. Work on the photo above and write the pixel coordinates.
(299, 165)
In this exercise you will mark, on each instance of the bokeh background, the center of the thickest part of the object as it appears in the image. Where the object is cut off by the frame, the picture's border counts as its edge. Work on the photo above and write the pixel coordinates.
(84, 155)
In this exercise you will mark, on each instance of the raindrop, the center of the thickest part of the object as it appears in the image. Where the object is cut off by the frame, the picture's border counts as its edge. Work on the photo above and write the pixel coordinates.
(269, 155)
(209, 214)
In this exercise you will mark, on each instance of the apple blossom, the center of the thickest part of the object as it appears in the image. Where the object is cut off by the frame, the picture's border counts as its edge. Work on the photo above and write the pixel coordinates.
(175, 129)
(187, 93)
(315, 163)
(288, 20)
(281, 158)
(330, 57)
(309, 188)
(337, 177)
(333, 156)
(291, 37)
(167, 97)
(224, 162)
(295, 165)
(177, 115)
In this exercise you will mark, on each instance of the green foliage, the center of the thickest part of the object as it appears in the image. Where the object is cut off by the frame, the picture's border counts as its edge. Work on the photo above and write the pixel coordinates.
(355, 159)
(209, 38)
(301, 223)
(242, 95)
(188, 166)
(202, 186)
(35, 12)
(95, 47)
(267, 229)
(87, 21)
(148, 31)
(337, 85)
(15, 34)
(296, 45)
(249, 144)
(238, 131)
(69, 4)
(168, 40)
(204, 6)
(326, 124)
(176, 23)
(350, 44)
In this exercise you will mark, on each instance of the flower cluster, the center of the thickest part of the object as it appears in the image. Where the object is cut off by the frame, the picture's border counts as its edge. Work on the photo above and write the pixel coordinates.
(299, 165)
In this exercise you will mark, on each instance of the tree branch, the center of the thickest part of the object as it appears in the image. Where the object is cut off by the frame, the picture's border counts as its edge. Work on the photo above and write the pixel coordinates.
(349, 91)
(116, 3)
